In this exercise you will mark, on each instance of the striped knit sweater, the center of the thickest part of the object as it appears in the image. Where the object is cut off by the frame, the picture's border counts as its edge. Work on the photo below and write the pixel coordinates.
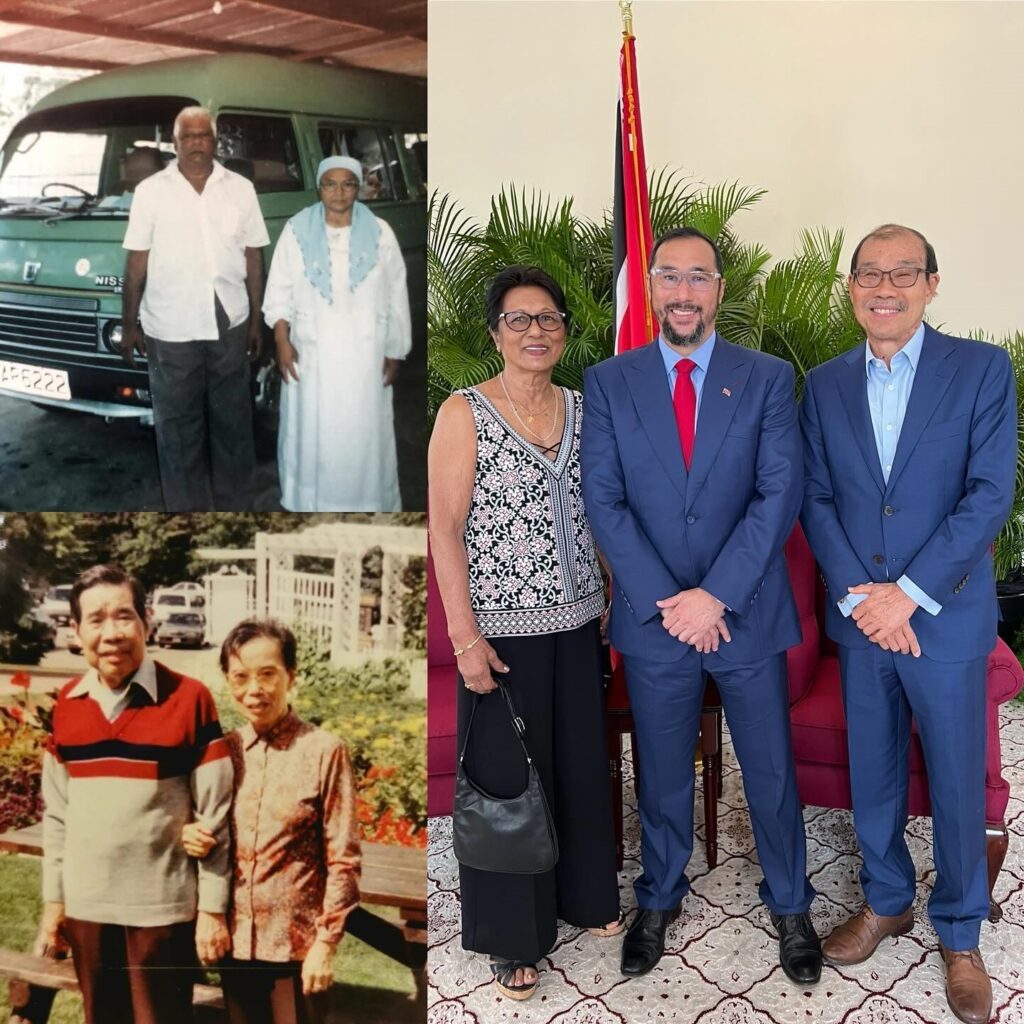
(117, 795)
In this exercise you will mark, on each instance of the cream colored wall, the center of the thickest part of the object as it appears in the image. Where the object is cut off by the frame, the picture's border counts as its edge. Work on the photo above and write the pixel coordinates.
(849, 113)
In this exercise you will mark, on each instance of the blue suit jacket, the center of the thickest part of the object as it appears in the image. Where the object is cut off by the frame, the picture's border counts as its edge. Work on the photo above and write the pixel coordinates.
(948, 494)
(722, 525)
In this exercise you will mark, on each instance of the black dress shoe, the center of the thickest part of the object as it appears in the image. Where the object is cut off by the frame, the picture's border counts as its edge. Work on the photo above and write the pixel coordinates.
(799, 947)
(645, 940)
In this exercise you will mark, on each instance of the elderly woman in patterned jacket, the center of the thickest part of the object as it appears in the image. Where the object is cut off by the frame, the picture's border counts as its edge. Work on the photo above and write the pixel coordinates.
(523, 595)
(294, 839)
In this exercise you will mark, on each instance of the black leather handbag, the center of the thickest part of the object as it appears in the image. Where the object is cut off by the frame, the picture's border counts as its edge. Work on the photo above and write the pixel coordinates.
(514, 835)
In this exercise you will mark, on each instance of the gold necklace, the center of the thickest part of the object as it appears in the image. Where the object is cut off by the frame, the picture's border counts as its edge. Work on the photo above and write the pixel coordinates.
(526, 425)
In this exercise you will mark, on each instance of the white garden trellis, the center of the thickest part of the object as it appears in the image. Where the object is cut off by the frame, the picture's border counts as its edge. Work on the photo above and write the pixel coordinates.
(330, 604)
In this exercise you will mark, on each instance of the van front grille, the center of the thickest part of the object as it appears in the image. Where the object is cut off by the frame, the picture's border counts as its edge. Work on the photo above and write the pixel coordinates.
(47, 328)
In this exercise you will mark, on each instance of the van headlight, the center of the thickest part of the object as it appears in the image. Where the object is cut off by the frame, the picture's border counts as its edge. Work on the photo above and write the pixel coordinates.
(113, 332)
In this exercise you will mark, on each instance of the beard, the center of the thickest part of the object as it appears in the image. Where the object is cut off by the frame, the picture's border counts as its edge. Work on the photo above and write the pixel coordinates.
(673, 337)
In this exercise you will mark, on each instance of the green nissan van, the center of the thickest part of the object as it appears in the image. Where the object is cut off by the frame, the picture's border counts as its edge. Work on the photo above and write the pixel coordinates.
(70, 167)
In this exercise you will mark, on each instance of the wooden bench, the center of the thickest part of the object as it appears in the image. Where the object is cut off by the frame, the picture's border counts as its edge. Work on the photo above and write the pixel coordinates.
(393, 876)
(33, 981)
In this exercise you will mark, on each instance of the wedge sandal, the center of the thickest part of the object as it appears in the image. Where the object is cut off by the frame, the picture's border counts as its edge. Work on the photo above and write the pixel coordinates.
(504, 972)
(616, 929)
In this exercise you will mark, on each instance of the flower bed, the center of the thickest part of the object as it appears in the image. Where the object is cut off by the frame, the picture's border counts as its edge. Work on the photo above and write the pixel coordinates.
(23, 730)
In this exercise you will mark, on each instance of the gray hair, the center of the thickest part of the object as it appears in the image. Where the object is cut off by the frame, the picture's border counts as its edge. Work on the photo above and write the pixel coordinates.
(195, 112)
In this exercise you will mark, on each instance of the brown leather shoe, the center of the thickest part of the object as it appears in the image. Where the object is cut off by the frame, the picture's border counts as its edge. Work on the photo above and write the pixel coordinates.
(856, 939)
(968, 987)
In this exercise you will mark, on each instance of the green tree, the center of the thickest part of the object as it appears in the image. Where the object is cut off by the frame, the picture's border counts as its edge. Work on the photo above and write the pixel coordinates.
(23, 640)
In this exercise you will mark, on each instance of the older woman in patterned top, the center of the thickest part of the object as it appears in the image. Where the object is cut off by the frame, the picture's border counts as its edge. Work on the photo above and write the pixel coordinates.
(294, 839)
(523, 595)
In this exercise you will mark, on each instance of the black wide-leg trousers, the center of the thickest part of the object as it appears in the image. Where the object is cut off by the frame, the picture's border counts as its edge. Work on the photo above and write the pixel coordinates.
(555, 682)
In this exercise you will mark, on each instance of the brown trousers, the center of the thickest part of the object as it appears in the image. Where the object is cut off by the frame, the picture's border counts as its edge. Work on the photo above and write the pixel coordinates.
(134, 975)
(258, 992)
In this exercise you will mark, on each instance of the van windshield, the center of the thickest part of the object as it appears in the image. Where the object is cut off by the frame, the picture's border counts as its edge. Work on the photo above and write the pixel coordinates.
(87, 157)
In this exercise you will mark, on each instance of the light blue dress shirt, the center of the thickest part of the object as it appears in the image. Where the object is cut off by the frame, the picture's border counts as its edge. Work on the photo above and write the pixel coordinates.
(701, 357)
(888, 394)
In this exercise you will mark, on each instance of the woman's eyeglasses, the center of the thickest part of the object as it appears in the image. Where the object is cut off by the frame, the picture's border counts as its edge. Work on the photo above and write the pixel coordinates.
(518, 321)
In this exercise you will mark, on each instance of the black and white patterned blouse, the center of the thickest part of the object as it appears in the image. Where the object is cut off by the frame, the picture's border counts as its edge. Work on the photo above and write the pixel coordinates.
(532, 564)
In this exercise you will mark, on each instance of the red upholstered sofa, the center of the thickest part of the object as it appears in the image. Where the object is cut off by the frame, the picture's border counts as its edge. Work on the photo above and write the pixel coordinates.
(819, 728)
(441, 720)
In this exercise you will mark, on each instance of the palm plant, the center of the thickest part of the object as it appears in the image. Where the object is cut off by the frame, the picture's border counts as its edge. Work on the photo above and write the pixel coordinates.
(1008, 552)
(462, 259)
(800, 310)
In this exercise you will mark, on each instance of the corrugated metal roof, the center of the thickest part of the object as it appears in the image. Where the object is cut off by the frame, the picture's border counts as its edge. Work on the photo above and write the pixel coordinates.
(389, 35)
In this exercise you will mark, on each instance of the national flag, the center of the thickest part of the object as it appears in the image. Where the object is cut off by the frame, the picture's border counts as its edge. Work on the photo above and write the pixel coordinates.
(631, 216)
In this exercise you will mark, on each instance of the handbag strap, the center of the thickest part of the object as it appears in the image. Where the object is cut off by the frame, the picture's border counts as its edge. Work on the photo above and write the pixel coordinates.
(517, 723)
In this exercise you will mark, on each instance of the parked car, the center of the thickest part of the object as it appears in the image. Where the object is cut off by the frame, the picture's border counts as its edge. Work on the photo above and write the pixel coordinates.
(184, 629)
(195, 592)
(56, 605)
(167, 602)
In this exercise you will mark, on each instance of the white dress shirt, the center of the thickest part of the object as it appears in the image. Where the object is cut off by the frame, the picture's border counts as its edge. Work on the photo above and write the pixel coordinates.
(196, 243)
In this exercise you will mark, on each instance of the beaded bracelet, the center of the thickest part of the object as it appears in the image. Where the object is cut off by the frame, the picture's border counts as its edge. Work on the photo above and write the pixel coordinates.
(462, 650)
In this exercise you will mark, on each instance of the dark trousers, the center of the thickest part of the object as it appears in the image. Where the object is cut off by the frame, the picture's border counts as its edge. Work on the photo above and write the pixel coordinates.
(134, 975)
(257, 992)
(202, 412)
(881, 692)
(666, 701)
(556, 687)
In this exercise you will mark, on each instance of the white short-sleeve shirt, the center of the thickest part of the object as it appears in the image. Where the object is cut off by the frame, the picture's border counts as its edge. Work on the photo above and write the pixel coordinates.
(196, 243)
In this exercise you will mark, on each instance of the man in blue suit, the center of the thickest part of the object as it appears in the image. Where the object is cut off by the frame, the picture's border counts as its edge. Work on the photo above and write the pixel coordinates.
(691, 464)
(910, 448)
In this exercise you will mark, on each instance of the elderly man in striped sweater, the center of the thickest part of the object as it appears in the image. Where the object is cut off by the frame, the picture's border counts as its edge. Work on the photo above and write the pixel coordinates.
(136, 752)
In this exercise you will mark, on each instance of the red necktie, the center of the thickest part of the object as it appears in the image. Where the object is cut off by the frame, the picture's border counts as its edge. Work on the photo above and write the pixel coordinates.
(684, 400)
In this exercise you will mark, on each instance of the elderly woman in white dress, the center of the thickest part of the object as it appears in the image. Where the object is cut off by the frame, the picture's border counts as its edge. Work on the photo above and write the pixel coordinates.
(337, 301)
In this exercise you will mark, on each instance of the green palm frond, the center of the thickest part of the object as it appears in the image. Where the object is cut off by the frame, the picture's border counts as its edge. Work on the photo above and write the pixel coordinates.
(712, 211)
(1008, 558)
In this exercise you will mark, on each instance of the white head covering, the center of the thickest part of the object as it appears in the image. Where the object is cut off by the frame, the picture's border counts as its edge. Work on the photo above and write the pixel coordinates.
(346, 163)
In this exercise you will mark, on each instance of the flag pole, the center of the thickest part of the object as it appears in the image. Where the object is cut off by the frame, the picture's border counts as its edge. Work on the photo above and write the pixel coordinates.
(627, 17)
(625, 7)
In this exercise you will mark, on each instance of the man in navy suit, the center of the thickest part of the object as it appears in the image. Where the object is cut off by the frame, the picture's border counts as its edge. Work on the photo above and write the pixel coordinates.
(691, 463)
(910, 454)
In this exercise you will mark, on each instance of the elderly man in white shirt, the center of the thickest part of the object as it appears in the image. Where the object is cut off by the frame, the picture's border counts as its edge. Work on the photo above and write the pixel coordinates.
(194, 275)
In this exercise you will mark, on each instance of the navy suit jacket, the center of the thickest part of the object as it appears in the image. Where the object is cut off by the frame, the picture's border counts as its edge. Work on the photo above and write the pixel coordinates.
(948, 494)
(720, 526)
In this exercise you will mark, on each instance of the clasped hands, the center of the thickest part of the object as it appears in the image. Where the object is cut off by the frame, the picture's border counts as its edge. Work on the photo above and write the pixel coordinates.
(884, 617)
(695, 617)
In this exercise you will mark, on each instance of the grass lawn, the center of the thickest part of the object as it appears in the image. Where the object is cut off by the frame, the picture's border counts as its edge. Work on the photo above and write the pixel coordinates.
(370, 988)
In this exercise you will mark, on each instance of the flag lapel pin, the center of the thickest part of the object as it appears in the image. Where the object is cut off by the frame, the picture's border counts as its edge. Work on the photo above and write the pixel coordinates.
(727, 392)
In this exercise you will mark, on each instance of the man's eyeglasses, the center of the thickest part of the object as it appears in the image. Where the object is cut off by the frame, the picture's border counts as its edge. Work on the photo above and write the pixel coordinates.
(901, 277)
(518, 321)
(349, 185)
(667, 279)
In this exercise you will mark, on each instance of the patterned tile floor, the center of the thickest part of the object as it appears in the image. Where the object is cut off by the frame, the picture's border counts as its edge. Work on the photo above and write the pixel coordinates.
(721, 964)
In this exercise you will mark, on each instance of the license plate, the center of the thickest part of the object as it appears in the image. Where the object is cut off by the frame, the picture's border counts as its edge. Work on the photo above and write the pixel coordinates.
(41, 381)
